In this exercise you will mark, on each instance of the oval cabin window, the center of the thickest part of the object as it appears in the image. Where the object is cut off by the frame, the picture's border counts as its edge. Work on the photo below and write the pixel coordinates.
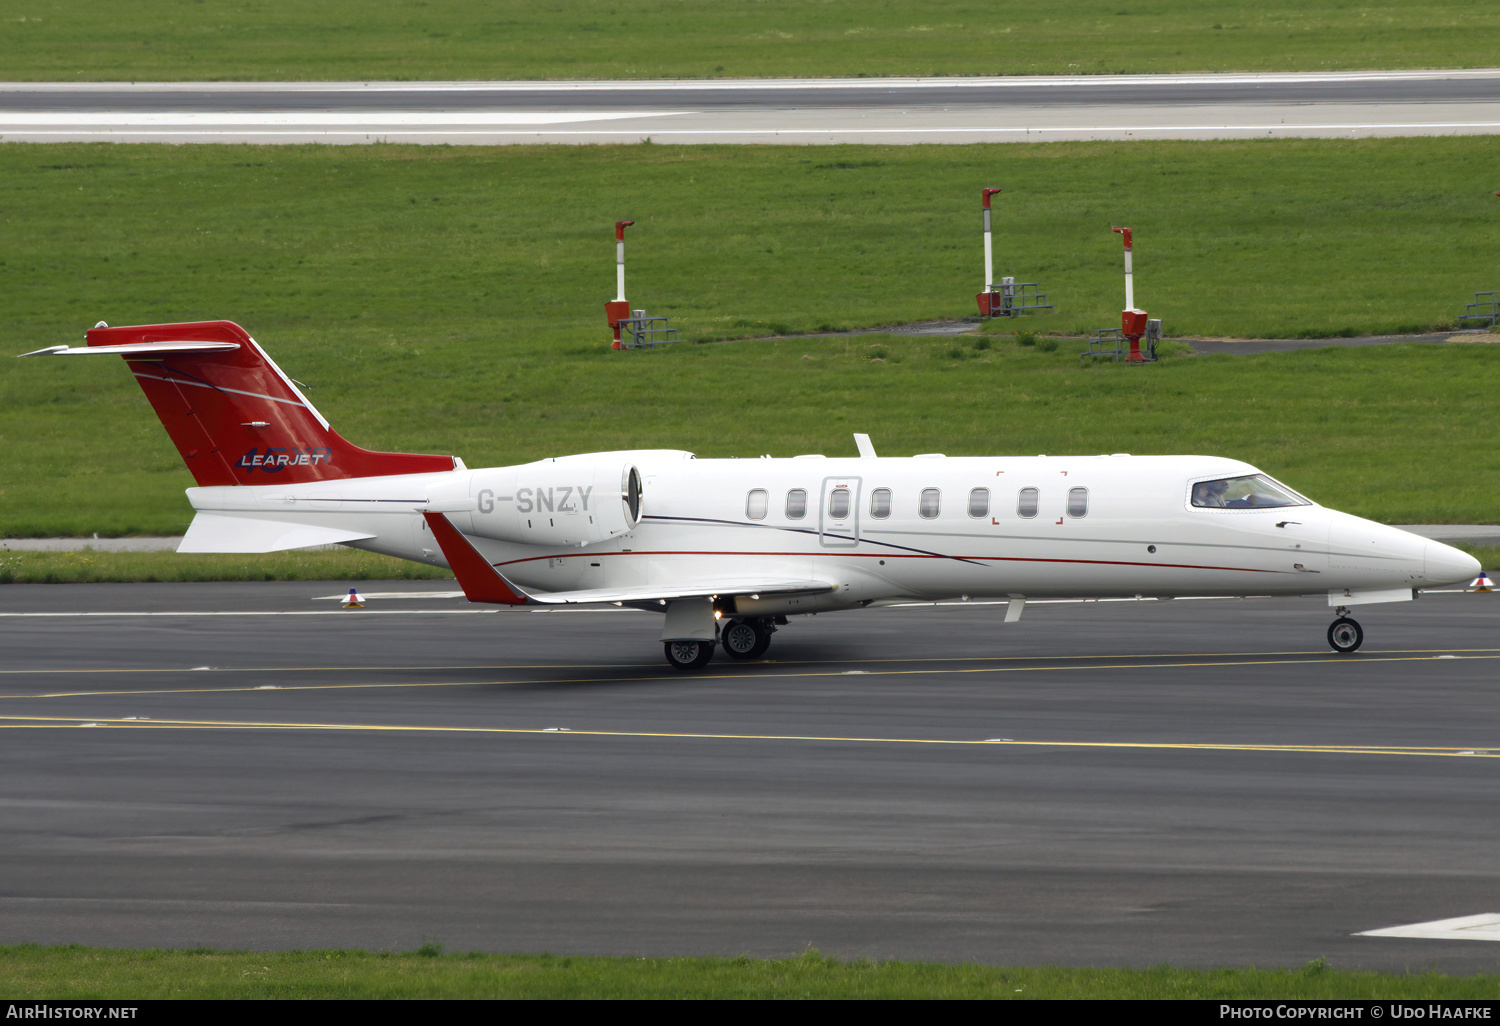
(756, 503)
(930, 505)
(796, 504)
(1026, 503)
(1078, 502)
(979, 503)
(880, 503)
(838, 503)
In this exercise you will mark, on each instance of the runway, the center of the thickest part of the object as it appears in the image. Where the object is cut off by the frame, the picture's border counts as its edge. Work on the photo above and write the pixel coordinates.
(1116, 783)
(784, 111)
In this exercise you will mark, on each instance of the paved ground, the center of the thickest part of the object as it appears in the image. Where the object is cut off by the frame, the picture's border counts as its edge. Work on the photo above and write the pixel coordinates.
(1245, 346)
(955, 110)
(1199, 783)
(97, 544)
(1242, 346)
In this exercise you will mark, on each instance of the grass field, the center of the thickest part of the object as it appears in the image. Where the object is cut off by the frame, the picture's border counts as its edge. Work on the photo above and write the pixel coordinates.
(30, 972)
(89, 567)
(146, 40)
(450, 300)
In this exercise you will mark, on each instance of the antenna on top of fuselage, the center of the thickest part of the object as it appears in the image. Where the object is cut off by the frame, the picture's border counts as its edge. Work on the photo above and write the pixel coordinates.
(865, 446)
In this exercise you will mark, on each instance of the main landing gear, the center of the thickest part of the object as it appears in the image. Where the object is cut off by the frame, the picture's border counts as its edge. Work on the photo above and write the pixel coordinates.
(689, 655)
(742, 638)
(747, 639)
(1345, 634)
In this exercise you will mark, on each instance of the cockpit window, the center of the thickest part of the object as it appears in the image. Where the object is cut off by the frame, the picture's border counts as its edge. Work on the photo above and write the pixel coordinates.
(1256, 491)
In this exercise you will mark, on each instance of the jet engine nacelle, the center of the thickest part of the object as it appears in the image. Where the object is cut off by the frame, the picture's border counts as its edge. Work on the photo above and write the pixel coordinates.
(556, 502)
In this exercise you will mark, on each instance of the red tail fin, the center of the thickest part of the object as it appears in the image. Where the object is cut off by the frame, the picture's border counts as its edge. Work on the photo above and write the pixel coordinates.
(236, 418)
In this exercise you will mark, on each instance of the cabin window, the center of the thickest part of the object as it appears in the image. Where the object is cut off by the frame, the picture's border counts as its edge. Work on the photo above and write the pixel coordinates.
(979, 503)
(1078, 502)
(756, 503)
(1026, 503)
(1255, 491)
(838, 503)
(880, 503)
(930, 505)
(796, 504)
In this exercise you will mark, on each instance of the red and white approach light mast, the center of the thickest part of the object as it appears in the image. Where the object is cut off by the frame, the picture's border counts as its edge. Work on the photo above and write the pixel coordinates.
(987, 305)
(1132, 321)
(619, 309)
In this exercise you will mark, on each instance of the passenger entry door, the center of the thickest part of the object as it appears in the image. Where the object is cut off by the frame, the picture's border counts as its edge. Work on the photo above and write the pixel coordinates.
(838, 513)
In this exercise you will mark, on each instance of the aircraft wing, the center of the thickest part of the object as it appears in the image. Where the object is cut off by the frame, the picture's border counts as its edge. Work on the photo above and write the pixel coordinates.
(481, 582)
(683, 589)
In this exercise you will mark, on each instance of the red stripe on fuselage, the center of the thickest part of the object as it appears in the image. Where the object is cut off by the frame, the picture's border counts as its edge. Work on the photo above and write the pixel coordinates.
(879, 555)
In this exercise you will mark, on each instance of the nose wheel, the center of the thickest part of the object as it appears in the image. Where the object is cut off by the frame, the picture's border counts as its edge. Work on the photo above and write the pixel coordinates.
(1345, 635)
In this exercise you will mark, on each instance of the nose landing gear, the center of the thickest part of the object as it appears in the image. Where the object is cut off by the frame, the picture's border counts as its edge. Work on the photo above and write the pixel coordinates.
(1345, 634)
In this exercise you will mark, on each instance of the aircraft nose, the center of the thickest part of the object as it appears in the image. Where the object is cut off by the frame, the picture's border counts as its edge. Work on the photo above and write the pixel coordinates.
(1444, 564)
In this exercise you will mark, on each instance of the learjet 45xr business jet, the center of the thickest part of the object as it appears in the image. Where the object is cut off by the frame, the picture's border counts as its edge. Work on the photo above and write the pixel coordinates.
(728, 549)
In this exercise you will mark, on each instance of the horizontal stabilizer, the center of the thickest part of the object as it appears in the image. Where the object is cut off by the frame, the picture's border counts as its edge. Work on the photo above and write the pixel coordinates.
(138, 350)
(213, 532)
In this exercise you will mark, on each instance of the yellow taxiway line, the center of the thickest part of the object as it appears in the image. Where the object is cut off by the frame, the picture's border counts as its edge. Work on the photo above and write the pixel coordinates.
(57, 722)
(770, 675)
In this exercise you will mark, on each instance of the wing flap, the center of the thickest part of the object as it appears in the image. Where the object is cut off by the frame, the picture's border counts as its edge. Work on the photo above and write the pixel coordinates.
(685, 590)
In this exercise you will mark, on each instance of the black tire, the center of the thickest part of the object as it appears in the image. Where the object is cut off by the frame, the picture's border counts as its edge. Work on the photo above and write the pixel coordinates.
(745, 639)
(1345, 635)
(689, 655)
(761, 645)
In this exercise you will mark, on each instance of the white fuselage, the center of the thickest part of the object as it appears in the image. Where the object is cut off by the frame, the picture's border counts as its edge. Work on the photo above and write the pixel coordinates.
(1103, 526)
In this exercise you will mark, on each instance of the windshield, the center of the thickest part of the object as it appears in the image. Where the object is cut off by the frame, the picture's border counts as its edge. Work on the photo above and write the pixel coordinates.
(1255, 491)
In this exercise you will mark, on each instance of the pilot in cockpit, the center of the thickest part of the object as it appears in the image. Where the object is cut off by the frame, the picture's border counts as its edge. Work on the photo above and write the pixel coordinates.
(1210, 493)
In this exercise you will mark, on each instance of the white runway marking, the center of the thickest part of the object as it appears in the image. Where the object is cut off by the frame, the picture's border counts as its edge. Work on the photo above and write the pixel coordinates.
(1484, 927)
(949, 83)
(402, 595)
(312, 119)
(379, 129)
(350, 613)
(393, 595)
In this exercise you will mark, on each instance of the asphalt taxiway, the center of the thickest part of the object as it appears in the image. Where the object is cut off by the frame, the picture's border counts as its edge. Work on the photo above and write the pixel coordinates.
(788, 111)
(1123, 783)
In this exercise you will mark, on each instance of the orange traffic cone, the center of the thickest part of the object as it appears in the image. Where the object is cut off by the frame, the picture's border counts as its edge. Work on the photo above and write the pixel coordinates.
(354, 601)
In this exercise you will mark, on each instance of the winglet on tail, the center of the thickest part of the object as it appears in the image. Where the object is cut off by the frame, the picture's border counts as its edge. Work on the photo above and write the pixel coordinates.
(235, 417)
(480, 581)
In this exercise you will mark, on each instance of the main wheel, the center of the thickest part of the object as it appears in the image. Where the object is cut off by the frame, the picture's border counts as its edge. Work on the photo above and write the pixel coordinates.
(689, 655)
(745, 639)
(1345, 635)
